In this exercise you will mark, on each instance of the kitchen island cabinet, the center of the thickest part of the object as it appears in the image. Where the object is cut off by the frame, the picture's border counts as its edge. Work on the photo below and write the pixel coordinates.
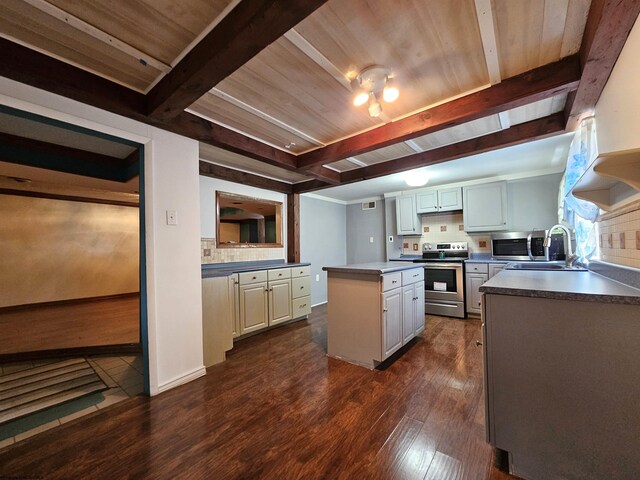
(561, 363)
(373, 310)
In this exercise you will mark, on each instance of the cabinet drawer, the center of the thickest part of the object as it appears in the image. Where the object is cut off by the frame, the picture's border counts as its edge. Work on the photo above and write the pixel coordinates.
(300, 271)
(477, 268)
(391, 280)
(279, 273)
(252, 277)
(412, 276)
(300, 287)
(301, 306)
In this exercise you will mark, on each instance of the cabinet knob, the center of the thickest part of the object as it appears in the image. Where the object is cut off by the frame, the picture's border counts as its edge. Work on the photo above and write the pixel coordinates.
(394, 281)
(385, 310)
(478, 343)
(479, 303)
(253, 278)
(302, 288)
(303, 305)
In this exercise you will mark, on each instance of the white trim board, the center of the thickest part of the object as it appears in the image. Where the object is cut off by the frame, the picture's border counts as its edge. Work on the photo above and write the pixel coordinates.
(181, 380)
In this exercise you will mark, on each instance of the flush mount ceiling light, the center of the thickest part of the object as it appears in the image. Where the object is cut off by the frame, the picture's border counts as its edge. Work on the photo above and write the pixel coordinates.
(416, 178)
(372, 84)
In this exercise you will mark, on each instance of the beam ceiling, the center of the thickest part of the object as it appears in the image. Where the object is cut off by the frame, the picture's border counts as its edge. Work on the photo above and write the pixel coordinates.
(254, 24)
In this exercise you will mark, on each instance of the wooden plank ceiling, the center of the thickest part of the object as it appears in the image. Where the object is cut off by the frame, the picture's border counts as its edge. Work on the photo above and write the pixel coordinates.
(279, 106)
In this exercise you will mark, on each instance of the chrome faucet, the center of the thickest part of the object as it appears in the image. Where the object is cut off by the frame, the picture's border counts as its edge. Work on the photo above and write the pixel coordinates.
(570, 257)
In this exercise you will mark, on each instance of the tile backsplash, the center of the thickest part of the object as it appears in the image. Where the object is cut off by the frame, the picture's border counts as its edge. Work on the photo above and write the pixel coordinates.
(210, 254)
(446, 227)
(619, 236)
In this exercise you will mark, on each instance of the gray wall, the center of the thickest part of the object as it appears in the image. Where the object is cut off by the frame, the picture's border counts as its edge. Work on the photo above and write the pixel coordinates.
(323, 240)
(533, 203)
(361, 226)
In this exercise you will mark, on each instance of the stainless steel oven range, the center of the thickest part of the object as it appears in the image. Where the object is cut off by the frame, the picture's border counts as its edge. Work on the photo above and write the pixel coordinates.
(444, 277)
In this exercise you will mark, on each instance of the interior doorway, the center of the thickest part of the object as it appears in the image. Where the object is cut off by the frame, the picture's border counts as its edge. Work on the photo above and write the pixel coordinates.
(73, 274)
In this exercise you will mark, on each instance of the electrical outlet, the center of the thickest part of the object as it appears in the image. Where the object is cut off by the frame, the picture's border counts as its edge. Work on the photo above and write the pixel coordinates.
(370, 239)
(172, 217)
(317, 277)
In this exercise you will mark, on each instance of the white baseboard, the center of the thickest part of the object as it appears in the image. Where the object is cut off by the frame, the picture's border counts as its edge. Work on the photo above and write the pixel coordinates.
(197, 373)
(318, 304)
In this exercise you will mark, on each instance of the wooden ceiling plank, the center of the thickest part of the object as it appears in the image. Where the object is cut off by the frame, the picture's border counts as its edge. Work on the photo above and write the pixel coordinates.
(250, 27)
(259, 113)
(484, 13)
(543, 82)
(608, 26)
(101, 35)
(223, 173)
(525, 132)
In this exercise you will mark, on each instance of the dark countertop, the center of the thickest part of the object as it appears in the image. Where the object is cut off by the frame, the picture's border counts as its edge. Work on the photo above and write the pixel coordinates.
(374, 268)
(578, 286)
(225, 269)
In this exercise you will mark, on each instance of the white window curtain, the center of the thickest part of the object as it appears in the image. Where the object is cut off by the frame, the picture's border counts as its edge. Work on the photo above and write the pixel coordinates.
(580, 214)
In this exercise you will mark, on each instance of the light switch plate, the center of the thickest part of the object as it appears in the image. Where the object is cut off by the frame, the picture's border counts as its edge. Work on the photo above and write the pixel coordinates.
(317, 277)
(370, 239)
(172, 217)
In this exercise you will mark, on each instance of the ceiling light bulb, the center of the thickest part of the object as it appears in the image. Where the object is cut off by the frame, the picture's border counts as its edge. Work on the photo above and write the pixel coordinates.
(375, 109)
(360, 98)
(390, 93)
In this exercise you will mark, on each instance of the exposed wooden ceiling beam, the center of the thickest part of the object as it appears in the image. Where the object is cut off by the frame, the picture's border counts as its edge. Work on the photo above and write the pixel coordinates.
(606, 31)
(41, 71)
(50, 156)
(522, 133)
(537, 84)
(310, 186)
(242, 34)
(216, 171)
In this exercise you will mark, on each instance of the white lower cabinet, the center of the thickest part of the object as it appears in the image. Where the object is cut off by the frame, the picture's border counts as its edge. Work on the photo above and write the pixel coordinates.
(235, 305)
(392, 321)
(419, 315)
(271, 297)
(254, 307)
(476, 275)
(279, 301)
(412, 310)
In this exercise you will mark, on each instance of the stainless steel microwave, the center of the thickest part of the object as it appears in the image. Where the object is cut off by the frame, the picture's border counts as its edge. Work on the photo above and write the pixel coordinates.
(521, 246)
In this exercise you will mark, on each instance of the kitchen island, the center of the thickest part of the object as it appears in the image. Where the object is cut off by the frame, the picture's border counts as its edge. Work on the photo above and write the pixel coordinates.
(561, 374)
(373, 310)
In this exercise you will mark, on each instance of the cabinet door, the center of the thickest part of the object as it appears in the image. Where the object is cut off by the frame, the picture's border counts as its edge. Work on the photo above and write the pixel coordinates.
(474, 297)
(235, 305)
(408, 311)
(495, 268)
(485, 207)
(427, 201)
(419, 316)
(279, 301)
(254, 312)
(391, 321)
(450, 199)
(406, 215)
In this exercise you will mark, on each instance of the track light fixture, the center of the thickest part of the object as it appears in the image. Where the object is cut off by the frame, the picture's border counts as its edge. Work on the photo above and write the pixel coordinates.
(372, 84)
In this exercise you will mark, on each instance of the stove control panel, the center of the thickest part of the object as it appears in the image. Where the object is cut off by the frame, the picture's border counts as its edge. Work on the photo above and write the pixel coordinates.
(445, 247)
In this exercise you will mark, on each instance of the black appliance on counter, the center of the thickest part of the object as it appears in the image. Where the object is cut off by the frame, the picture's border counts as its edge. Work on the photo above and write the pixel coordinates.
(444, 277)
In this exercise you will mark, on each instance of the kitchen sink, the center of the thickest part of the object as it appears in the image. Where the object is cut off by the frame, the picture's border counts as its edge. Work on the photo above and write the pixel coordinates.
(548, 266)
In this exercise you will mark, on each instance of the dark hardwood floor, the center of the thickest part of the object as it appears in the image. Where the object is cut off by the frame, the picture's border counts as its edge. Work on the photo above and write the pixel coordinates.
(278, 408)
(61, 325)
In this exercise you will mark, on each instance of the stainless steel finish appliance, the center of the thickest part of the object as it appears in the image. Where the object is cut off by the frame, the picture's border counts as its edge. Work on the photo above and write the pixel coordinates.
(523, 246)
(444, 278)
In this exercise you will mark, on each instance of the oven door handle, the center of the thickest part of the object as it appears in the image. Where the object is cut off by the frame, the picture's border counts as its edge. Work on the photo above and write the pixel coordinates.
(444, 266)
(441, 305)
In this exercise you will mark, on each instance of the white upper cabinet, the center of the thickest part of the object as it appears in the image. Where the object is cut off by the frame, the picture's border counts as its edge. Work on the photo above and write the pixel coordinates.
(485, 207)
(406, 216)
(427, 202)
(439, 200)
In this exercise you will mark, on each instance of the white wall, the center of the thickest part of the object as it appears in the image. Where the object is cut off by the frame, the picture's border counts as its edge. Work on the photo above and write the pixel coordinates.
(618, 110)
(173, 264)
(323, 240)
